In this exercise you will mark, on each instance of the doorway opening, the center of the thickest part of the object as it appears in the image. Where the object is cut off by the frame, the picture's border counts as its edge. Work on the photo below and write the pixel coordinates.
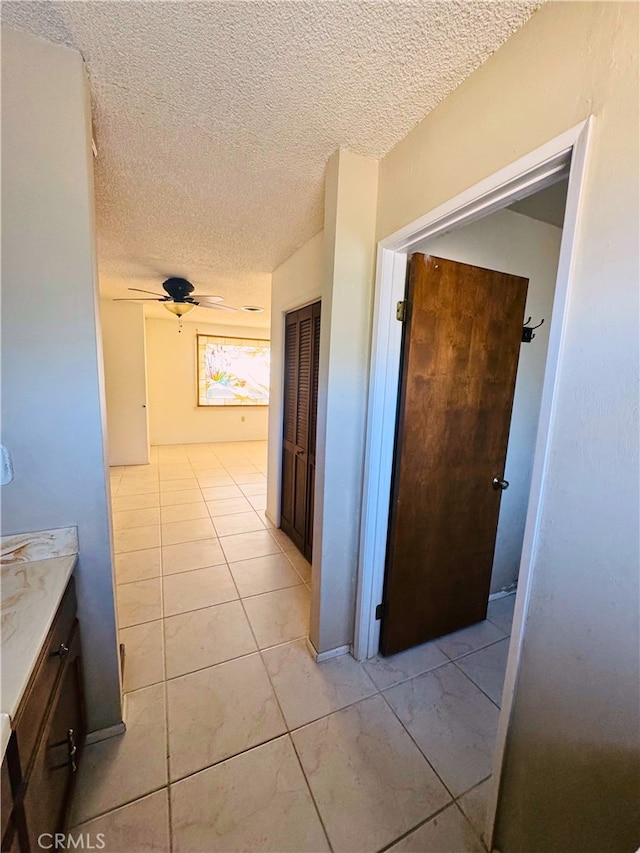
(467, 419)
(565, 156)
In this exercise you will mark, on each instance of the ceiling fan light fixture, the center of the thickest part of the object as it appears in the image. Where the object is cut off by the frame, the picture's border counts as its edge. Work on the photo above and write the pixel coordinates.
(179, 308)
(252, 309)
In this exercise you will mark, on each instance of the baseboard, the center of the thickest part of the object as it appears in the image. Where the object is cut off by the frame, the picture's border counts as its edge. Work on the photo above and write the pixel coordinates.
(329, 654)
(270, 518)
(502, 594)
(104, 734)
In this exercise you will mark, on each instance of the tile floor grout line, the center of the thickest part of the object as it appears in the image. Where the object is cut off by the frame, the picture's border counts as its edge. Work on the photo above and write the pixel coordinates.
(480, 648)
(473, 787)
(116, 808)
(313, 799)
(138, 624)
(255, 639)
(446, 787)
(484, 692)
(422, 752)
(204, 607)
(294, 565)
(286, 723)
(477, 835)
(166, 709)
(335, 711)
(164, 683)
(215, 566)
(411, 677)
(209, 666)
(166, 574)
(377, 690)
(166, 703)
(416, 827)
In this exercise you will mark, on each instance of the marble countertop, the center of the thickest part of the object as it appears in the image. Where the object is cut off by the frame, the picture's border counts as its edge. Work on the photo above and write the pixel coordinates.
(35, 569)
(31, 594)
(5, 731)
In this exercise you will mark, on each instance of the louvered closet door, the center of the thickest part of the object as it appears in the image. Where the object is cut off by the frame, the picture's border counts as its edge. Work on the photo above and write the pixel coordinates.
(302, 339)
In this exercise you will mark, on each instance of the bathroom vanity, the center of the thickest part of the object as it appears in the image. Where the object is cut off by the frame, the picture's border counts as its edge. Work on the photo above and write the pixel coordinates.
(42, 719)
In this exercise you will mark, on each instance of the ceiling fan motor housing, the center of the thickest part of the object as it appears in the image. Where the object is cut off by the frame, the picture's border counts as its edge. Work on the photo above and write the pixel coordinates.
(178, 289)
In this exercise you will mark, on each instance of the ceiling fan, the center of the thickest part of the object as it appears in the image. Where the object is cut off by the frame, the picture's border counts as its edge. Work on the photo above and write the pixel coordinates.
(179, 300)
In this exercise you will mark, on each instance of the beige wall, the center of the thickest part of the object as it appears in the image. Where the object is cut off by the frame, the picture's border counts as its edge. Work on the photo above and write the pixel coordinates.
(53, 416)
(571, 776)
(297, 282)
(174, 417)
(512, 243)
(125, 374)
(336, 266)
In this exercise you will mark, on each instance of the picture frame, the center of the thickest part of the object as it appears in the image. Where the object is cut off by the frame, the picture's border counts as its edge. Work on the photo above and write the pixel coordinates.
(232, 371)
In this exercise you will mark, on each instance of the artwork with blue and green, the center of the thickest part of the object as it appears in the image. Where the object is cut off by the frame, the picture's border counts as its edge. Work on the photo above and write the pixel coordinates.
(233, 372)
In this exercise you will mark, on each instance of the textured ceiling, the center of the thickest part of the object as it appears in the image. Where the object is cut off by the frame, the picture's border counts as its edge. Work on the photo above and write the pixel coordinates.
(214, 120)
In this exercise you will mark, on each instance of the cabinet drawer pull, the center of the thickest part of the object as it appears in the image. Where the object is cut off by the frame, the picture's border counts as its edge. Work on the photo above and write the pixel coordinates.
(62, 651)
(72, 750)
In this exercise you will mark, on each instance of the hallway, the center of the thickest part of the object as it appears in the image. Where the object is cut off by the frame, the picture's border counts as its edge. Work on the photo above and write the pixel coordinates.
(236, 739)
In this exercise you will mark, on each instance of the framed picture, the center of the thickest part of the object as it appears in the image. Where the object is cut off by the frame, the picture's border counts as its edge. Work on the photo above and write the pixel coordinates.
(233, 371)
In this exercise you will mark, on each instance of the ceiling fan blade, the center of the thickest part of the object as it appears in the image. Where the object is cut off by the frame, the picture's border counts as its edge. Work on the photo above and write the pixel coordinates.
(139, 290)
(215, 306)
(211, 298)
(138, 299)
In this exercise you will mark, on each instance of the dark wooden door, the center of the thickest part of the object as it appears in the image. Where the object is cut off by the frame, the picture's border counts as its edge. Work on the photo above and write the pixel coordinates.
(301, 359)
(461, 343)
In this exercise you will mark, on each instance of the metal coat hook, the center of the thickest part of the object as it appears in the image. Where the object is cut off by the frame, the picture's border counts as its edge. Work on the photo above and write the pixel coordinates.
(527, 331)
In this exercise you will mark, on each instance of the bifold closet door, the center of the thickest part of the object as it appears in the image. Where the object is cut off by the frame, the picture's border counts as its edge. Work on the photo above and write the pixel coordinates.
(301, 353)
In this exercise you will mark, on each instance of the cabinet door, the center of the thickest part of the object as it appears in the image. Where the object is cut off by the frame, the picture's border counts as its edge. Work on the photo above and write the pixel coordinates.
(11, 837)
(50, 784)
(12, 813)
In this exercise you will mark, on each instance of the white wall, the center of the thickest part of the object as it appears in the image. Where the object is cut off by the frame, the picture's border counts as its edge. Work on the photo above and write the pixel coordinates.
(174, 416)
(297, 282)
(511, 243)
(53, 416)
(572, 773)
(125, 375)
(349, 259)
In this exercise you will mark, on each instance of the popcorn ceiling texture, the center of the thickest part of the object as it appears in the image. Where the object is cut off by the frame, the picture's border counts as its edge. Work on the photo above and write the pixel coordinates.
(214, 120)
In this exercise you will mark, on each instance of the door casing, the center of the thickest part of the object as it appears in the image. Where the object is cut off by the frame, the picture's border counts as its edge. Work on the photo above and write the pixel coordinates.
(565, 154)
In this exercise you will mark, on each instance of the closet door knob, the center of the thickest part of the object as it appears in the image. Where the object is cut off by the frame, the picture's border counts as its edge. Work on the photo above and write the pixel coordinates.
(499, 484)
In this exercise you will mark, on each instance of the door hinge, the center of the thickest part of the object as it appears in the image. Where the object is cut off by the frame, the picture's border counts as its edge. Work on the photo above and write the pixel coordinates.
(401, 311)
(378, 612)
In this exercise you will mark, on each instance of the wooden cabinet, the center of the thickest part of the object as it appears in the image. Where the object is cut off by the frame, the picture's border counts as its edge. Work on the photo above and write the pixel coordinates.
(12, 816)
(49, 731)
(301, 363)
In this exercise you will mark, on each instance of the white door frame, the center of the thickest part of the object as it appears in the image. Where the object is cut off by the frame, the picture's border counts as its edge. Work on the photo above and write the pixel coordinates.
(526, 175)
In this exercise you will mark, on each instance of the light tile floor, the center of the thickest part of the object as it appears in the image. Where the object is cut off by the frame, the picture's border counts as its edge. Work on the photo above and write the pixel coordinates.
(236, 739)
